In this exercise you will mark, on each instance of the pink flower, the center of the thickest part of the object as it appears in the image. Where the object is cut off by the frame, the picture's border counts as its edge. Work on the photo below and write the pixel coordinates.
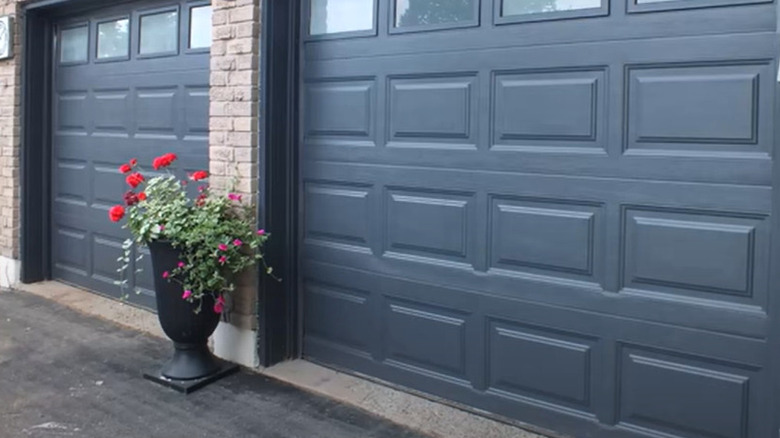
(234, 197)
(238, 242)
(219, 306)
(222, 260)
(260, 232)
(187, 294)
(181, 264)
(162, 227)
(202, 189)
(166, 274)
(222, 247)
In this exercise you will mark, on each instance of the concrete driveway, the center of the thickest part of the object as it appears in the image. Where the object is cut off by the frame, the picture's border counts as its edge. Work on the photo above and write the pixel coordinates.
(64, 374)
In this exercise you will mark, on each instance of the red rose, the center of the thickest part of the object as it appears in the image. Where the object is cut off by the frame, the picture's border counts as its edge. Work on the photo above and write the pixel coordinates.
(142, 196)
(125, 168)
(199, 175)
(134, 179)
(133, 162)
(163, 161)
(131, 198)
(116, 213)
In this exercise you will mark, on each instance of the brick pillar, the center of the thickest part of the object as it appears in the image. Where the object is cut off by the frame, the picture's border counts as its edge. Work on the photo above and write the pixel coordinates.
(10, 140)
(234, 122)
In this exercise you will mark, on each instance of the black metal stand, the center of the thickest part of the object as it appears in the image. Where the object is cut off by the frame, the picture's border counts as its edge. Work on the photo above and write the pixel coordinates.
(189, 386)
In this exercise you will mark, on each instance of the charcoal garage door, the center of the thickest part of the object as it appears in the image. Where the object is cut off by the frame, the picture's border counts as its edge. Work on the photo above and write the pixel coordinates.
(130, 82)
(558, 210)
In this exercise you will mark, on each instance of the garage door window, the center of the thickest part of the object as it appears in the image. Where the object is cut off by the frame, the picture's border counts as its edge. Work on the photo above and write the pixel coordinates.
(341, 16)
(113, 39)
(74, 45)
(435, 13)
(160, 33)
(200, 27)
(537, 10)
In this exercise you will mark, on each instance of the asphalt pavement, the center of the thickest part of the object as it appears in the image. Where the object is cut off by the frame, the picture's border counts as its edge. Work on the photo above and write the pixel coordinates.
(65, 374)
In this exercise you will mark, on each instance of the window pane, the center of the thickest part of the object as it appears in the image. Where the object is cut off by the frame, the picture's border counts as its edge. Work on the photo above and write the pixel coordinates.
(113, 39)
(200, 27)
(159, 33)
(422, 12)
(74, 46)
(333, 16)
(524, 7)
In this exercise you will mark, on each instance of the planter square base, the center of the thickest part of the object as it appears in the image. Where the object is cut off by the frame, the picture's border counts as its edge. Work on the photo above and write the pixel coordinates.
(189, 386)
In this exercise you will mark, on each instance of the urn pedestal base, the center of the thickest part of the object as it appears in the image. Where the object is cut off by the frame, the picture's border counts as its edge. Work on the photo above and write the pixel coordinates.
(224, 369)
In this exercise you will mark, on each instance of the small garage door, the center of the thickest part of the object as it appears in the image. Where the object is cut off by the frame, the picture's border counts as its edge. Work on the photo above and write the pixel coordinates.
(130, 81)
(555, 210)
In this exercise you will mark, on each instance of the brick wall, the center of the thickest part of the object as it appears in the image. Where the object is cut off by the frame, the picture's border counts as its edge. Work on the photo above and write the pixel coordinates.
(10, 139)
(234, 116)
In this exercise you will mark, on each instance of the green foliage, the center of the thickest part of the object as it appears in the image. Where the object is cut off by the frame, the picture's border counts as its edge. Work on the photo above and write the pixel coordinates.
(216, 235)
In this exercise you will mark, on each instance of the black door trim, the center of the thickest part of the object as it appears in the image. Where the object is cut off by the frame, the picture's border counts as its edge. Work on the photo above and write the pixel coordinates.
(35, 245)
(279, 302)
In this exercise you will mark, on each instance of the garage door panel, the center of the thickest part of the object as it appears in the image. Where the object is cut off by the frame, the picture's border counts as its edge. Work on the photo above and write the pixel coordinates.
(561, 356)
(705, 109)
(755, 171)
(541, 363)
(439, 225)
(548, 237)
(747, 321)
(556, 316)
(536, 110)
(739, 199)
(698, 254)
(440, 346)
(609, 33)
(684, 395)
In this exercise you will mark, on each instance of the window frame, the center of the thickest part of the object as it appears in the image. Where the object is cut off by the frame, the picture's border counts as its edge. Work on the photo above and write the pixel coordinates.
(96, 33)
(632, 7)
(308, 36)
(186, 29)
(69, 26)
(140, 14)
(393, 29)
(499, 19)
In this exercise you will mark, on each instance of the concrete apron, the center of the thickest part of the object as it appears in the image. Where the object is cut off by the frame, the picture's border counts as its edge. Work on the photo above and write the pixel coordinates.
(415, 412)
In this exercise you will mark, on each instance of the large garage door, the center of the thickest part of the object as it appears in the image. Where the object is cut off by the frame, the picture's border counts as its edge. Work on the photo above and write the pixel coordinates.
(130, 81)
(554, 210)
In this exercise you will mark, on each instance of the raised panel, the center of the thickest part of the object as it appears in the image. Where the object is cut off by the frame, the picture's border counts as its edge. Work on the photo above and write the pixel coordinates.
(337, 213)
(337, 315)
(549, 109)
(196, 111)
(432, 224)
(111, 111)
(72, 178)
(340, 111)
(425, 337)
(71, 249)
(106, 250)
(552, 236)
(71, 111)
(107, 184)
(698, 109)
(540, 363)
(701, 254)
(155, 111)
(437, 112)
(682, 396)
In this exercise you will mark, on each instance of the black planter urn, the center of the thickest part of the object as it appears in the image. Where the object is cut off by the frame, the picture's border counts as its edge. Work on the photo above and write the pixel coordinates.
(192, 365)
